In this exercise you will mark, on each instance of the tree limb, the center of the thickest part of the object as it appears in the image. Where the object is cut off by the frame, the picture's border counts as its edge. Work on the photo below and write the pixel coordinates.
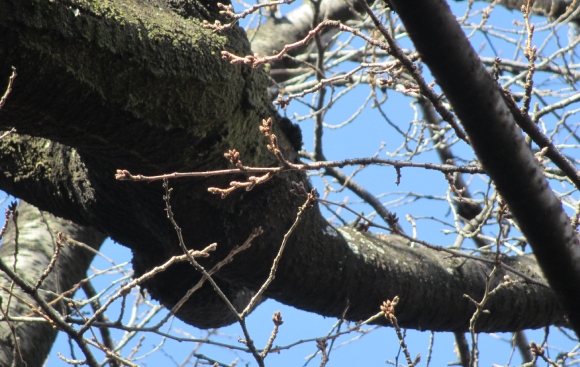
(499, 144)
(144, 90)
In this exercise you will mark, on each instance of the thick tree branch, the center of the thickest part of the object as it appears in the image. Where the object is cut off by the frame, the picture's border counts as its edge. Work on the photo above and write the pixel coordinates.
(498, 144)
(551, 8)
(274, 34)
(142, 89)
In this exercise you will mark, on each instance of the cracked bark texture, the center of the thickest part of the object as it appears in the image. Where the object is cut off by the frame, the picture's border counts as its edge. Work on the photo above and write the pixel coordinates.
(135, 85)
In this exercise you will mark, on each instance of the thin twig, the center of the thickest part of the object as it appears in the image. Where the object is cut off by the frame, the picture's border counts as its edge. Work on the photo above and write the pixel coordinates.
(51, 313)
(105, 332)
(18, 359)
(426, 90)
(310, 198)
(52, 263)
(530, 54)
(127, 287)
(538, 137)
(388, 309)
(277, 319)
(8, 88)
(207, 277)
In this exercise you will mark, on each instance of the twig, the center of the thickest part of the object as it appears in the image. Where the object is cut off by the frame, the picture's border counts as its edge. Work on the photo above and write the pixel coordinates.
(310, 198)
(16, 352)
(51, 313)
(538, 351)
(228, 11)
(277, 319)
(8, 88)
(213, 270)
(7, 217)
(255, 60)
(554, 106)
(322, 344)
(14, 210)
(270, 172)
(426, 90)
(530, 54)
(191, 259)
(478, 311)
(388, 309)
(123, 175)
(207, 276)
(111, 355)
(105, 332)
(52, 263)
(526, 124)
(127, 287)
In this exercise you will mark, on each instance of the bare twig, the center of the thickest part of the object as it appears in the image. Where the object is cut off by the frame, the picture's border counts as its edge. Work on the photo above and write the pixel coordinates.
(16, 352)
(59, 244)
(8, 88)
(207, 276)
(526, 124)
(52, 314)
(228, 11)
(426, 90)
(445, 168)
(530, 54)
(310, 198)
(388, 309)
(479, 309)
(255, 60)
(127, 287)
(105, 331)
(277, 319)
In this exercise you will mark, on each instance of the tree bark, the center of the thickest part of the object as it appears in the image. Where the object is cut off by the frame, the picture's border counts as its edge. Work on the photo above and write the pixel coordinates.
(499, 144)
(130, 85)
(37, 234)
(550, 8)
(271, 36)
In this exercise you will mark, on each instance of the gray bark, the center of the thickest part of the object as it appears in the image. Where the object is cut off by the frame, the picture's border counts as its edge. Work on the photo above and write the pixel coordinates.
(271, 36)
(551, 8)
(37, 233)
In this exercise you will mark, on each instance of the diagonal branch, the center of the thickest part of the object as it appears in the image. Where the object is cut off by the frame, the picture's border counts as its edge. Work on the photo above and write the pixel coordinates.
(498, 144)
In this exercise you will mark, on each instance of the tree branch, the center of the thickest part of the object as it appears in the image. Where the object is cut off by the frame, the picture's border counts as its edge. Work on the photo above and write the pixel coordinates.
(37, 233)
(498, 144)
(165, 103)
